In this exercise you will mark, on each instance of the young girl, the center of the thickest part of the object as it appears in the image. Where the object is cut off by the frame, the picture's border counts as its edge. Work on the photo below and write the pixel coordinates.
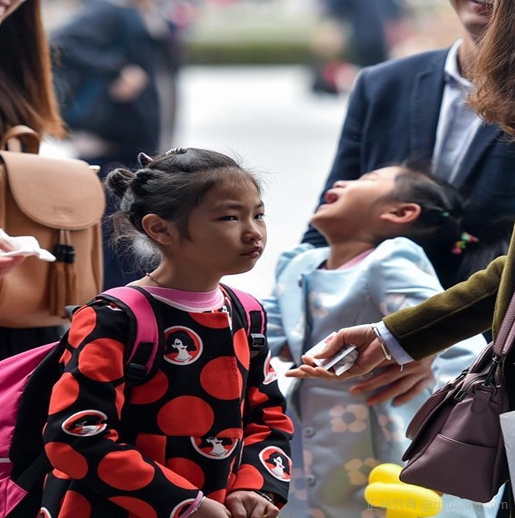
(203, 215)
(372, 267)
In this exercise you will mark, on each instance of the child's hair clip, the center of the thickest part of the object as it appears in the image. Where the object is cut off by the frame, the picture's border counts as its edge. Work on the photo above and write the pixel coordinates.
(463, 242)
(177, 151)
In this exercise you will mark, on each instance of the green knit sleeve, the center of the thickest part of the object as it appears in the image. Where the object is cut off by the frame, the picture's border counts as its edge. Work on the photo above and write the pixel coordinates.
(458, 313)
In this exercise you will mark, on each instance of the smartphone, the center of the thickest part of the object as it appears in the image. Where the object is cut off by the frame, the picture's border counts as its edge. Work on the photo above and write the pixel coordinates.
(341, 362)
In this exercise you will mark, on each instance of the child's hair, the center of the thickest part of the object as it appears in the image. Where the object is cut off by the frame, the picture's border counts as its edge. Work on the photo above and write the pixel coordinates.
(441, 206)
(493, 240)
(439, 228)
(439, 225)
(171, 186)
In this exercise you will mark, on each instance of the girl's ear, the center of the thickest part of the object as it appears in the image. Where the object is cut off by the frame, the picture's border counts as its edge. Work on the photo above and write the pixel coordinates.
(402, 213)
(159, 230)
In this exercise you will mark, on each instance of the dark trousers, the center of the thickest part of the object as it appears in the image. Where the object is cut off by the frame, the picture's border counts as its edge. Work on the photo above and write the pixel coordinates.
(368, 19)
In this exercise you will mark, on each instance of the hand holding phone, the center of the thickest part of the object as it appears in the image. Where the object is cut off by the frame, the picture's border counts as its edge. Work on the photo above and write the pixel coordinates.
(341, 362)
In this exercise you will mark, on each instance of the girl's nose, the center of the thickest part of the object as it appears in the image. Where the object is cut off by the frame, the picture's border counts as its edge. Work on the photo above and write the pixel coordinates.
(254, 232)
(339, 183)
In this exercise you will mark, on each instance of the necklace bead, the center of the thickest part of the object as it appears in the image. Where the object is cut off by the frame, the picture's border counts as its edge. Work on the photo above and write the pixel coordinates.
(154, 280)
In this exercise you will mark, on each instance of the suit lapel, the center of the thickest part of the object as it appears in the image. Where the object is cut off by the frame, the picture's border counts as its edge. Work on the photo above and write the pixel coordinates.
(425, 106)
(484, 138)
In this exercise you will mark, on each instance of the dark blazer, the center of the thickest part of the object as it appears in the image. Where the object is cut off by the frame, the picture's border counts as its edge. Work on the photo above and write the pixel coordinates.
(393, 115)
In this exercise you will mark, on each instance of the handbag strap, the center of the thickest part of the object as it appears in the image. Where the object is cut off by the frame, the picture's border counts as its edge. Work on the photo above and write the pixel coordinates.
(506, 336)
(21, 134)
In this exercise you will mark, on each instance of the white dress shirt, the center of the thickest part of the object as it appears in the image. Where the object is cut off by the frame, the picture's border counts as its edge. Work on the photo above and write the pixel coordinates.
(457, 124)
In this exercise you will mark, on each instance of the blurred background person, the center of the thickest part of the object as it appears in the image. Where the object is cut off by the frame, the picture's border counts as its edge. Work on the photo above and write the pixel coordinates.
(113, 60)
(26, 97)
(362, 33)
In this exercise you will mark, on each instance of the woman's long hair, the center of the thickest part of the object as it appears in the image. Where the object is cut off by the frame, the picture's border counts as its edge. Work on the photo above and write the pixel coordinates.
(26, 90)
(494, 74)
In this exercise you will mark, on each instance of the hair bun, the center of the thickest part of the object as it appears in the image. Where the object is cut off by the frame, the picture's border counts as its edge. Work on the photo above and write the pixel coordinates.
(119, 180)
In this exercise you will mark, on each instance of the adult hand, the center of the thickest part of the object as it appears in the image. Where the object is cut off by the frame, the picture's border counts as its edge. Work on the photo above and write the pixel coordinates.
(8, 263)
(399, 385)
(129, 85)
(248, 504)
(370, 355)
(212, 509)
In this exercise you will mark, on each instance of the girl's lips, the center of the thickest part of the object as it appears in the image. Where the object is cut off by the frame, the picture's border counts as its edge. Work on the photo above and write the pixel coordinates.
(256, 251)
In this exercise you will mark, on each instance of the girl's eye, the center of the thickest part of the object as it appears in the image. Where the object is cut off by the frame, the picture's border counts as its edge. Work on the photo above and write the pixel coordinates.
(260, 216)
(366, 177)
(228, 218)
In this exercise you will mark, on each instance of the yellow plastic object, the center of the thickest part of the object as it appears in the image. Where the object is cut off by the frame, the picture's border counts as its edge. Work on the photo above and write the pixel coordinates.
(387, 491)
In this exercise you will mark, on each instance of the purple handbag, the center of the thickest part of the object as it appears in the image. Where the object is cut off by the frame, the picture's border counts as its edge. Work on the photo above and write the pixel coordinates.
(457, 446)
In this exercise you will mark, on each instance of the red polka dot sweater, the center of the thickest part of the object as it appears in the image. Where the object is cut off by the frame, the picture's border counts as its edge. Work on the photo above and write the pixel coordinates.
(210, 419)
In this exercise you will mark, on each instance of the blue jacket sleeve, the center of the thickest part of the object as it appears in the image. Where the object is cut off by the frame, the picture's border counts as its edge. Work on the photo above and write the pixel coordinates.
(276, 333)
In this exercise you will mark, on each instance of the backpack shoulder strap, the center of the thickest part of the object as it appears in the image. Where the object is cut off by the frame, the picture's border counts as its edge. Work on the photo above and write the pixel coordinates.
(253, 316)
(145, 353)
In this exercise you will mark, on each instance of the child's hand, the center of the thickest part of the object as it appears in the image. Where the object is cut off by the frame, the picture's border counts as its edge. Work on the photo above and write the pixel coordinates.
(370, 355)
(399, 386)
(212, 509)
(248, 504)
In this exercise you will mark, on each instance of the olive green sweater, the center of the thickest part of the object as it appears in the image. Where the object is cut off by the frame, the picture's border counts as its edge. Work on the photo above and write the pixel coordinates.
(466, 309)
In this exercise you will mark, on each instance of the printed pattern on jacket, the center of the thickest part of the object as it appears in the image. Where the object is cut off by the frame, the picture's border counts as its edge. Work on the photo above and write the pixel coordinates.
(210, 419)
(339, 437)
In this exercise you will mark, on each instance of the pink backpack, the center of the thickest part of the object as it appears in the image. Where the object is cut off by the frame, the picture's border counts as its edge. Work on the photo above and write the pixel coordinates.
(26, 382)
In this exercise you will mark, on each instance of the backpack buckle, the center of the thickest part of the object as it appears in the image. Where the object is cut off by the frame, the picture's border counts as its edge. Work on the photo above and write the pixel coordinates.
(136, 373)
(257, 342)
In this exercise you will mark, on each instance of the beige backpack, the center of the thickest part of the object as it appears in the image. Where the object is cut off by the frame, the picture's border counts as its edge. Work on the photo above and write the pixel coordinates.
(61, 203)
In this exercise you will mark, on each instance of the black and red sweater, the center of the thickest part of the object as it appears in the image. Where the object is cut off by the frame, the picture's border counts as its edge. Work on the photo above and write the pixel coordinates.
(211, 419)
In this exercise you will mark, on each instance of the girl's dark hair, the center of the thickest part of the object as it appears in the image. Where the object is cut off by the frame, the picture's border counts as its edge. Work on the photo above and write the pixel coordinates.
(439, 225)
(493, 241)
(26, 91)
(184, 337)
(171, 186)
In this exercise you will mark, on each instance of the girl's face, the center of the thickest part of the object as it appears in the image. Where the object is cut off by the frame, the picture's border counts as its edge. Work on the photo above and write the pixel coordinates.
(7, 7)
(354, 206)
(227, 235)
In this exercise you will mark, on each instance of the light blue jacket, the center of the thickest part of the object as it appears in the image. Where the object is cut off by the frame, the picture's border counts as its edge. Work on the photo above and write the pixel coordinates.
(339, 438)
